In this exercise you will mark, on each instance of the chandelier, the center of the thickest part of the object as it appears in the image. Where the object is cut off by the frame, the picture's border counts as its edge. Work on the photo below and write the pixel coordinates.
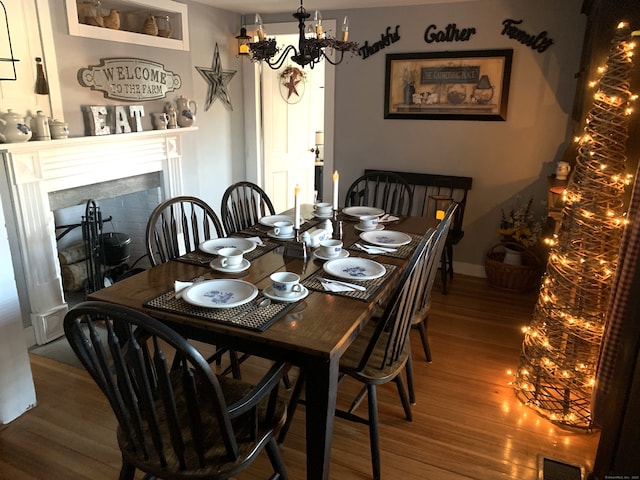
(312, 43)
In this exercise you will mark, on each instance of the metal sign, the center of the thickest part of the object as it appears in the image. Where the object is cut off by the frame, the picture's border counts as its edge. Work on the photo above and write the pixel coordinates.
(129, 79)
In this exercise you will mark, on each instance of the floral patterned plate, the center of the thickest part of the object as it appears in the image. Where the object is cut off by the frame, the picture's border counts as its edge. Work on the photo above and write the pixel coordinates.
(386, 238)
(354, 268)
(220, 293)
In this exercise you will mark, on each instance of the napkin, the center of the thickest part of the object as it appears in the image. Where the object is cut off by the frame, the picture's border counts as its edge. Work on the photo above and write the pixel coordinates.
(256, 240)
(388, 218)
(179, 287)
(334, 287)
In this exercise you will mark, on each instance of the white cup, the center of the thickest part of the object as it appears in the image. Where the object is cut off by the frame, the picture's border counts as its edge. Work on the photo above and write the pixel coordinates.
(283, 229)
(330, 247)
(323, 208)
(368, 222)
(230, 257)
(285, 283)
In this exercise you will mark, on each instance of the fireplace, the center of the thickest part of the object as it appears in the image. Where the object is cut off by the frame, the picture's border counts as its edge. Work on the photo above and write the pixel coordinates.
(39, 173)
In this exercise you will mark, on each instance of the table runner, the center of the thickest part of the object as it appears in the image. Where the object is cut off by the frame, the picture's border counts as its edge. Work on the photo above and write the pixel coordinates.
(404, 251)
(373, 286)
(198, 257)
(241, 316)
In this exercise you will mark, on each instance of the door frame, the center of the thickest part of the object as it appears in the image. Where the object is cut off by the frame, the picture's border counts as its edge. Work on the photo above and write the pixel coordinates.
(251, 74)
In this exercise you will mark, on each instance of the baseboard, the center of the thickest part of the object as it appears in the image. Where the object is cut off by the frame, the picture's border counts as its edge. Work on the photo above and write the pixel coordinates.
(470, 269)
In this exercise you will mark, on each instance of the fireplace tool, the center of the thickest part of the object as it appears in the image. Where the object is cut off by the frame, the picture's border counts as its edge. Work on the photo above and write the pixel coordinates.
(91, 234)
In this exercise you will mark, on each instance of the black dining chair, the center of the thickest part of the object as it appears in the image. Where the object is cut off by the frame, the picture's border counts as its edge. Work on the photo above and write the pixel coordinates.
(379, 353)
(176, 418)
(177, 226)
(243, 204)
(385, 190)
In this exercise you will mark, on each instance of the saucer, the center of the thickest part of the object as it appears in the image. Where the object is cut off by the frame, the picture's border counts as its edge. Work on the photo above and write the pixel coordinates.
(215, 264)
(281, 237)
(322, 215)
(269, 293)
(343, 254)
(378, 227)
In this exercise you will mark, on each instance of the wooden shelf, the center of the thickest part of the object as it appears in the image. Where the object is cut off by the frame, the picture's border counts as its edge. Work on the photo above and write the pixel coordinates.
(132, 14)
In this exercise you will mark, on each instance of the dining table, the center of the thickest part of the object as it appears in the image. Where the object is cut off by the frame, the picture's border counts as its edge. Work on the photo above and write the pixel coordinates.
(311, 333)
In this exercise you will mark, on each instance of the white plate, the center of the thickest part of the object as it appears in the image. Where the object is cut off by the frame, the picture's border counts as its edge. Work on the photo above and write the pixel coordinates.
(220, 293)
(354, 268)
(281, 237)
(269, 293)
(377, 228)
(361, 211)
(269, 220)
(323, 215)
(215, 264)
(319, 256)
(212, 246)
(388, 238)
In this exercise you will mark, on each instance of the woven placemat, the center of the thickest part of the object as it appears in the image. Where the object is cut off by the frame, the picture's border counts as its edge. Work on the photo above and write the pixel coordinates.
(248, 315)
(263, 231)
(198, 257)
(312, 282)
(403, 251)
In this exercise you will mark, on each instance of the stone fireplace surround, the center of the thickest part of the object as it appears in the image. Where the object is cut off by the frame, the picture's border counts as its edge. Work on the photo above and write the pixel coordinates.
(37, 169)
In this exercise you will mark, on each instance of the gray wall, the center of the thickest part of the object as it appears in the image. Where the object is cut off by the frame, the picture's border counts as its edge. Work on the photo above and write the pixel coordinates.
(506, 159)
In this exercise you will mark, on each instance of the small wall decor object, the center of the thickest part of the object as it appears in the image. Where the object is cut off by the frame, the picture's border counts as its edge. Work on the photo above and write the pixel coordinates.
(112, 20)
(448, 85)
(218, 79)
(42, 86)
(164, 26)
(160, 120)
(539, 42)
(96, 120)
(292, 84)
(41, 126)
(386, 39)
(136, 112)
(172, 115)
(121, 120)
(59, 129)
(186, 111)
(150, 27)
(13, 128)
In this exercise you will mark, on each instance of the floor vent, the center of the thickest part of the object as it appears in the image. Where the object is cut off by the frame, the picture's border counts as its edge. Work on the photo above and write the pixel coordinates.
(549, 469)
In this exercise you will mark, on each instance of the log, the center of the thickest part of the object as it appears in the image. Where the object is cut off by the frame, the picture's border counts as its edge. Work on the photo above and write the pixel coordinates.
(72, 254)
(74, 276)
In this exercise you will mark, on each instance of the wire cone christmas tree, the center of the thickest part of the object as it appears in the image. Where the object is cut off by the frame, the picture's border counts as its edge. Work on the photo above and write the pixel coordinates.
(560, 350)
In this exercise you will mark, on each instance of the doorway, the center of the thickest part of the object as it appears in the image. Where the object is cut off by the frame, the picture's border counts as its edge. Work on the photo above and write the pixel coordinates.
(281, 131)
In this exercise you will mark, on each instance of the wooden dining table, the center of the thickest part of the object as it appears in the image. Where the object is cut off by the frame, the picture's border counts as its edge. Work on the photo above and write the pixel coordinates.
(312, 334)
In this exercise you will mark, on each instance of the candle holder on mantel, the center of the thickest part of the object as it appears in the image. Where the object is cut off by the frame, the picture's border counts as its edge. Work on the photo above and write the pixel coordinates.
(296, 247)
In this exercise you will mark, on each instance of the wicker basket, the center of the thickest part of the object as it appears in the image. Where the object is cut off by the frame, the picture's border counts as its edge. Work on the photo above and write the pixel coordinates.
(516, 278)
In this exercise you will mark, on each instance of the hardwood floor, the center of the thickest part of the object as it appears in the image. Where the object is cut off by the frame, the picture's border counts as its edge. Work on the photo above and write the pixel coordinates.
(467, 422)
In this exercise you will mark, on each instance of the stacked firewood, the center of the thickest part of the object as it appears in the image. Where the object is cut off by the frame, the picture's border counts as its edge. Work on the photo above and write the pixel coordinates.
(74, 267)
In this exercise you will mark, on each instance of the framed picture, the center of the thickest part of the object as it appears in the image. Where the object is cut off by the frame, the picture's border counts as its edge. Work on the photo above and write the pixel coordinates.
(467, 85)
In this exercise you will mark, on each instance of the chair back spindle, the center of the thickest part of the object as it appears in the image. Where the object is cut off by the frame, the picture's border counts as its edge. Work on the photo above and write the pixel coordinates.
(380, 189)
(243, 204)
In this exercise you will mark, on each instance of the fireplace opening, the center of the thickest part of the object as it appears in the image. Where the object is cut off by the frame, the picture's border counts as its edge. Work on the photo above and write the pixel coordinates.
(100, 242)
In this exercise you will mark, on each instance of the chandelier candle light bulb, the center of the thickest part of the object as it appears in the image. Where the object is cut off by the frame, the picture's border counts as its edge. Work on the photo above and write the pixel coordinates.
(345, 29)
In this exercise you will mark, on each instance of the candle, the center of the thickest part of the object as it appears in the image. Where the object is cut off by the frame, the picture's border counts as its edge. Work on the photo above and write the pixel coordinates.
(296, 209)
(439, 214)
(335, 190)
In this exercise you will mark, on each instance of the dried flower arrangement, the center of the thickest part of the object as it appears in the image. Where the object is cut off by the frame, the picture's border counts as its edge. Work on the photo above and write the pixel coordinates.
(521, 226)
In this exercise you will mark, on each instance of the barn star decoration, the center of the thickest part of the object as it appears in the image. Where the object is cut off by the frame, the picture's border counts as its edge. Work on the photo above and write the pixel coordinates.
(291, 83)
(218, 79)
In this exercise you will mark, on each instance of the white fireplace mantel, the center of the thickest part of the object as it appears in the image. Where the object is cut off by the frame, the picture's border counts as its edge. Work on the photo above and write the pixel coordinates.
(35, 169)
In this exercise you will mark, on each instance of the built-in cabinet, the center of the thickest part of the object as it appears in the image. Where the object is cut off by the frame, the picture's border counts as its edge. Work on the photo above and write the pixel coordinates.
(131, 16)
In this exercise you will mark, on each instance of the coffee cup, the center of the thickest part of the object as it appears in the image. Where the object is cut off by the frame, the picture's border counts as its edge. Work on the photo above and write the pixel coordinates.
(322, 208)
(285, 283)
(330, 247)
(282, 229)
(230, 257)
(368, 222)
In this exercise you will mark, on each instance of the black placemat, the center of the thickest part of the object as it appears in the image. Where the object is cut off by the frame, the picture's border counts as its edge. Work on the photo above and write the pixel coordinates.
(248, 315)
(198, 257)
(312, 282)
(403, 251)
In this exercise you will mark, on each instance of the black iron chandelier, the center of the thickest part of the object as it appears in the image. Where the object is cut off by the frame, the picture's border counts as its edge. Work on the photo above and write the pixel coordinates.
(312, 43)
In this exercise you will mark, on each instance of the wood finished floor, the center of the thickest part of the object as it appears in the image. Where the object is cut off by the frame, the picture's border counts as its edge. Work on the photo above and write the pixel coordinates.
(467, 422)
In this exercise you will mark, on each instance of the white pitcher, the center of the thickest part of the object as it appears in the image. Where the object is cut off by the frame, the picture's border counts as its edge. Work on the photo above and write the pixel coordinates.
(13, 128)
(187, 110)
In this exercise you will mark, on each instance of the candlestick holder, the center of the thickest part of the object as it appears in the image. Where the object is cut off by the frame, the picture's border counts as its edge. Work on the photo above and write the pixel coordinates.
(296, 247)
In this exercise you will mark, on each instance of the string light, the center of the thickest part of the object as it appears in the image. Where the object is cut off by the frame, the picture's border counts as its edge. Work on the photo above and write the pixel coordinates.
(556, 374)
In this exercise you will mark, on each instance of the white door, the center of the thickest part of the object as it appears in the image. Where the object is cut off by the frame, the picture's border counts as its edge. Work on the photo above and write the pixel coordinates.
(292, 111)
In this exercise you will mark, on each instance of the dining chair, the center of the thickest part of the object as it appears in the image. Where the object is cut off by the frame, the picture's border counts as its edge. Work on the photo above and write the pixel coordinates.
(385, 190)
(243, 204)
(176, 418)
(427, 278)
(379, 353)
(177, 226)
